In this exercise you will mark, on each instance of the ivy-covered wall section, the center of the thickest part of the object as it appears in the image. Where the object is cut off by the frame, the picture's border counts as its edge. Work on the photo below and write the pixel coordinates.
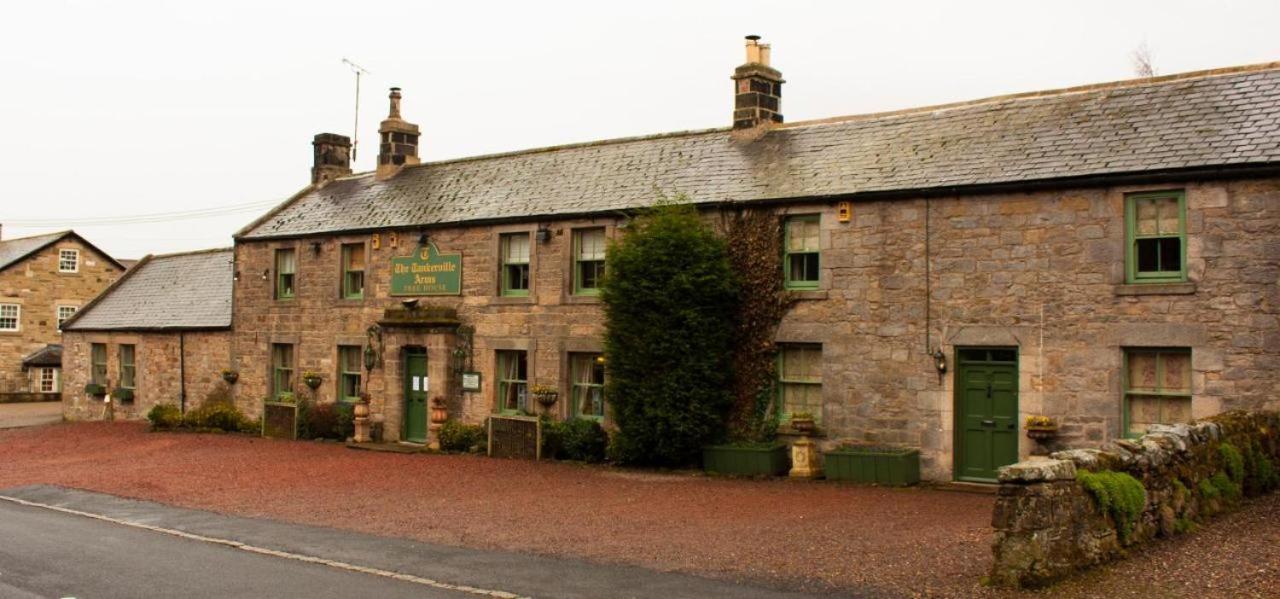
(1084, 507)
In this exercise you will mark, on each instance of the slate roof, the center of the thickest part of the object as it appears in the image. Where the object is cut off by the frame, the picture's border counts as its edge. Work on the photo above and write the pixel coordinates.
(49, 355)
(170, 292)
(13, 251)
(1209, 118)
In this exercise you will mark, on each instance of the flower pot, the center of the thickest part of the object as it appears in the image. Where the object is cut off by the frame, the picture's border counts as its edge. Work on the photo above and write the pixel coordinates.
(1042, 434)
(123, 395)
(231, 377)
(95, 389)
(744, 460)
(874, 465)
(313, 382)
(547, 400)
(439, 411)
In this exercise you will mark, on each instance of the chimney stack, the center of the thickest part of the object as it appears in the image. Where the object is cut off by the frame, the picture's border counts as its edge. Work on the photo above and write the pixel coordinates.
(399, 141)
(757, 89)
(332, 157)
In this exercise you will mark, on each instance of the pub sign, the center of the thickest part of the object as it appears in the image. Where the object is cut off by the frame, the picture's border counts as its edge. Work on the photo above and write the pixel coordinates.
(426, 272)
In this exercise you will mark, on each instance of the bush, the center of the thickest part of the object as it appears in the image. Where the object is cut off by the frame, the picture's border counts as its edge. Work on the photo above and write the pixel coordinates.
(456, 436)
(670, 296)
(325, 420)
(1232, 462)
(215, 415)
(164, 416)
(580, 439)
(1118, 494)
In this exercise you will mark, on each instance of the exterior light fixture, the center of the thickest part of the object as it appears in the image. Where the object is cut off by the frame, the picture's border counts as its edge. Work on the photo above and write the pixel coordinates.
(410, 304)
(544, 234)
(370, 358)
(940, 361)
(423, 240)
(315, 247)
(266, 274)
(600, 359)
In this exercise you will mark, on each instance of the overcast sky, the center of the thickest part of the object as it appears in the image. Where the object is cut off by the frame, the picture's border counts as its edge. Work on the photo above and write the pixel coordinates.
(127, 109)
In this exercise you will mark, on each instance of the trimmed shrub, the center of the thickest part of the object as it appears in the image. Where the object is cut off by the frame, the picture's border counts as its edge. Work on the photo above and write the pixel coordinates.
(670, 296)
(325, 420)
(215, 416)
(1118, 494)
(456, 436)
(165, 416)
(580, 439)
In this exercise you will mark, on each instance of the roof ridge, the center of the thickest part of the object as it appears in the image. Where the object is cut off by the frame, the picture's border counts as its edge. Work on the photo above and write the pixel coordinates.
(1042, 94)
(193, 252)
(29, 237)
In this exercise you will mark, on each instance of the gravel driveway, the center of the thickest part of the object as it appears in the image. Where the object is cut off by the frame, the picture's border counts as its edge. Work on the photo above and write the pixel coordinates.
(807, 535)
(15, 415)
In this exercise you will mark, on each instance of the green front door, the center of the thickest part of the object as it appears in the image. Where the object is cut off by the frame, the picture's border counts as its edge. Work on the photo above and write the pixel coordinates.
(415, 395)
(986, 412)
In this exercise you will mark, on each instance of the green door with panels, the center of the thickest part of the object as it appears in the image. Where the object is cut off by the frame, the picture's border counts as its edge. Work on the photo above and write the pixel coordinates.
(986, 412)
(415, 395)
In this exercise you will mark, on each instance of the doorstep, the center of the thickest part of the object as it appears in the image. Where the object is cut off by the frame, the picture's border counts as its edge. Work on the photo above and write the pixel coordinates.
(388, 447)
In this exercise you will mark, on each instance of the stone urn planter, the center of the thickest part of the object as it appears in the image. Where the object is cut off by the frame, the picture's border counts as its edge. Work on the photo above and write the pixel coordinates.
(803, 424)
(439, 410)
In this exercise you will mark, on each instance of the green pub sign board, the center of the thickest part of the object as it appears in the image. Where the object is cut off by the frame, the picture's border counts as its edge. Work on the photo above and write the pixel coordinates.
(427, 272)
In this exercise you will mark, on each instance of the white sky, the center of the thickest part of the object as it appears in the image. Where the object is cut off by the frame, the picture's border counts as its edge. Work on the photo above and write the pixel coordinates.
(114, 109)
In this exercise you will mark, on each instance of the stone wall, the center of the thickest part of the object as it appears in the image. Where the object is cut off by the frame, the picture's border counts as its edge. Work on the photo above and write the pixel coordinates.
(158, 362)
(1041, 272)
(1048, 525)
(36, 284)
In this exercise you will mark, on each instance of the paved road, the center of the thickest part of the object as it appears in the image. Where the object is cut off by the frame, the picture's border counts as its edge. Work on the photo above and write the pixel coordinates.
(49, 553)
(14, 415)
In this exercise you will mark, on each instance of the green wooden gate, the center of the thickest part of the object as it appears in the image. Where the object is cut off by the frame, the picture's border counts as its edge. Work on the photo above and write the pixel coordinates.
(986, 396)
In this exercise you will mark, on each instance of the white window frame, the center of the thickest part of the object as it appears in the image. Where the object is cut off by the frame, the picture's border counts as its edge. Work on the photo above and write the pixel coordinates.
(57, 314)
(54, 379)
(74, 257)
(17, 317)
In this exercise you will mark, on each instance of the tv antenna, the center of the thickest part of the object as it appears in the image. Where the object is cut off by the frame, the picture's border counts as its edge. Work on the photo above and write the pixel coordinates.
(355, 134)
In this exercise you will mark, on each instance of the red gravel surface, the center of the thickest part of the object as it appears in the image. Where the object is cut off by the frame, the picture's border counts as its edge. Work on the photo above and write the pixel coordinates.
(816, 536)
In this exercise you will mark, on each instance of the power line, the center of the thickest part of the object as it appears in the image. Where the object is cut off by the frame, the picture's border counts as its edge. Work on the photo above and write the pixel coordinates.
(154, 217)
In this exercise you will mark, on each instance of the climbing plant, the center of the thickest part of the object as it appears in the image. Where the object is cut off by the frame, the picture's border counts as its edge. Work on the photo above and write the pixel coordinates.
(755, 238)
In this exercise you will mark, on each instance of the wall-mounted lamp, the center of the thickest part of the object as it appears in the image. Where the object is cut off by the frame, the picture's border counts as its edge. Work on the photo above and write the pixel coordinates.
(370, 358)
(410, 304)
(423, 240)
(235, 276)
(940, 361)
(544, 234)
(315, 247)
(266, 274)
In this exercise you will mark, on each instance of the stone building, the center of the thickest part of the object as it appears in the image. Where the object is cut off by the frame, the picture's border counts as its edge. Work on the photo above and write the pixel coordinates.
(44, 279)
(1104, 255)
(160, 334)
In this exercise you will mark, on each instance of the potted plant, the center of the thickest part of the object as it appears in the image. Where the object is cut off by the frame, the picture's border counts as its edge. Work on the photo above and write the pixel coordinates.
(803, 423)
(1041, 428)
(285, 397)
(95, 389)
(545, 395)
(230, 376)
(124, 395)
(312, 379)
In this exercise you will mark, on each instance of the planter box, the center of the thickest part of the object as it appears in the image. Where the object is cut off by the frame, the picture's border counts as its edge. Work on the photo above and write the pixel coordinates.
(891, 467)
(746, 461)
(279, 420)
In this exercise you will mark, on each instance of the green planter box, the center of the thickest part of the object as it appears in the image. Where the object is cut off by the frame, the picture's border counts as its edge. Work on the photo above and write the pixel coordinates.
(891, 467)
(746, 461)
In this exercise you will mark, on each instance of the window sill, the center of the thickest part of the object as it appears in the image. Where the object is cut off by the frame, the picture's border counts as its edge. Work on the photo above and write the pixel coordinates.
(807, 294)
(1156, 289)
(582, 299)
(512, 299)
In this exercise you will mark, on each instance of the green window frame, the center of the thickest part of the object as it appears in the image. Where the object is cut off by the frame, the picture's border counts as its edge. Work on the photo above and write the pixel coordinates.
(588, 260)
(515, 251)
(513, 381)
(98, 363)
(800, 380)
(350, 360)
(586, 385)
(1157, 387)
(1156, 237)
(128, 366)
(286, 273)
(353, 263)
(281, 371)
(802, 255)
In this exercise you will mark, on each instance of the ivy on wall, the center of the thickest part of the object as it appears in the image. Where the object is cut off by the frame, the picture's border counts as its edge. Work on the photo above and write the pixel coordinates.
(754, 237)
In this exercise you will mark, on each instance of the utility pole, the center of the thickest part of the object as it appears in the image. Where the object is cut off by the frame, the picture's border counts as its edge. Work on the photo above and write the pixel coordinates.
(355, 134)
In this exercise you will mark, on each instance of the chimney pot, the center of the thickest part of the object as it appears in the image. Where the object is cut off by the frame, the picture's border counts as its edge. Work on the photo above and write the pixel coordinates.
(757, 89)
(332, 157)
(398, 140)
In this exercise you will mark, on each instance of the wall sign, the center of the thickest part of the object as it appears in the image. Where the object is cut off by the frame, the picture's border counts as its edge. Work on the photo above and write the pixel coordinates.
(471, 381)
(427, 272)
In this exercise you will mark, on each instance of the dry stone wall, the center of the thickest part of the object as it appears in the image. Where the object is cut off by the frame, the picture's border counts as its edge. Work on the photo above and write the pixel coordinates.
(1049, 525)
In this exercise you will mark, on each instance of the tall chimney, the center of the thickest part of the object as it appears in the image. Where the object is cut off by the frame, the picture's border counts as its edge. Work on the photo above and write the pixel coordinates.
(757, 89)
(332, 157)
(399, 143)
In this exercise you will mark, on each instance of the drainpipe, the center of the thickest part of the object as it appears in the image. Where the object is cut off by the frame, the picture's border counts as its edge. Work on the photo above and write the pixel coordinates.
(182, 371)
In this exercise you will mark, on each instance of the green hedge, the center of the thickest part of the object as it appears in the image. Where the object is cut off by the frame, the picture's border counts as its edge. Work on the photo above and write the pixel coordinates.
(580, 439)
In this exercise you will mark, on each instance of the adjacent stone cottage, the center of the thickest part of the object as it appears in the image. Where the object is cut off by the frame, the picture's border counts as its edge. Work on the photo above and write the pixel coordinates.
(44, 279)
(158, 335)
(1103, 255)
